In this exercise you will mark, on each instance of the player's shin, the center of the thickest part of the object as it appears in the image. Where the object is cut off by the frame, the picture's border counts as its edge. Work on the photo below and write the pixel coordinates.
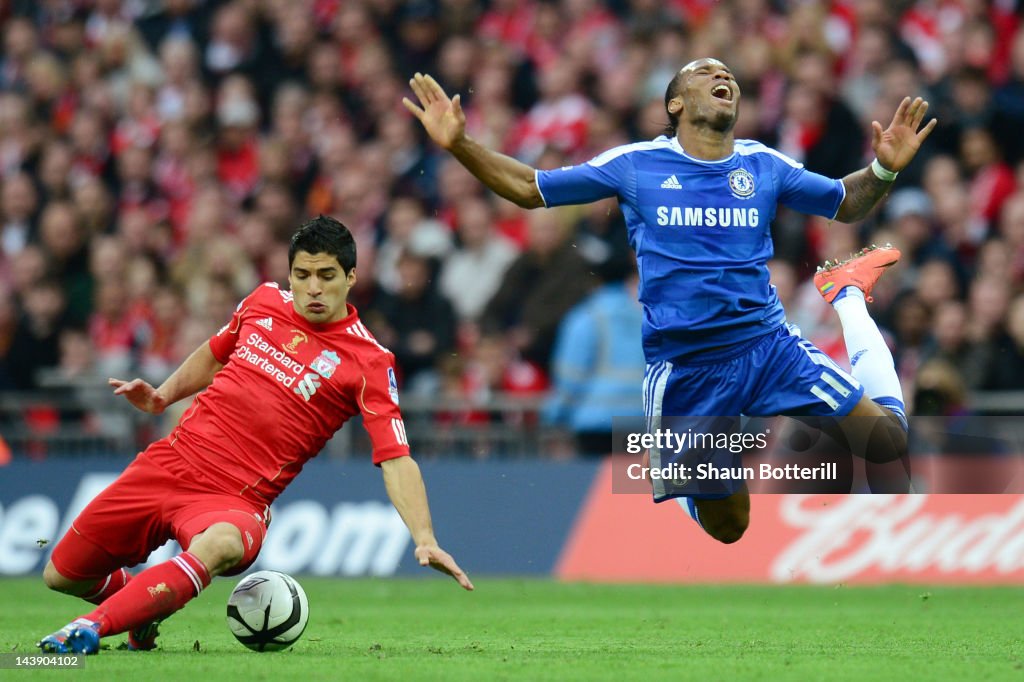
(870, 358)
(152, 595)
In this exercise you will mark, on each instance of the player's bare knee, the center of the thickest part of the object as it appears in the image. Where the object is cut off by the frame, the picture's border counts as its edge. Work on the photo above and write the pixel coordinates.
(728, 531)
(228, 549)
(725, 519)
(888, 441)
(219, 547)
(727, 527)
(55, 581)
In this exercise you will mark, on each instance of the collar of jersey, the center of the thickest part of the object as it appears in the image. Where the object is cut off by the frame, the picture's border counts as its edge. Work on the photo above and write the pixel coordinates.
(674, 141)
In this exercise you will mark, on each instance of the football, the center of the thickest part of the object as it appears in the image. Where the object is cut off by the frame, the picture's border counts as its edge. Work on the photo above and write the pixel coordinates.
(268, 611)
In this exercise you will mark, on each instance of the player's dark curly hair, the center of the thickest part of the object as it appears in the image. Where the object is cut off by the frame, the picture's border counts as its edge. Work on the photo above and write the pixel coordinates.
(671, 91)
(324, 234)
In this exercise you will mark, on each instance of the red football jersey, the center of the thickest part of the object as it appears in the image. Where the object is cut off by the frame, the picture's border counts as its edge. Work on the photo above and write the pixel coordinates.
(287, 385)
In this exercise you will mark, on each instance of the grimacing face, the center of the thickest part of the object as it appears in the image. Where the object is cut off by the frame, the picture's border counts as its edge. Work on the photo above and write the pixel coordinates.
(709, 95)
(320, 287)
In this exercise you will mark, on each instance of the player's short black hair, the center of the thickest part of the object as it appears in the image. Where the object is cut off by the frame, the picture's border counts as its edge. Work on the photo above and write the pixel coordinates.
(674, 86)
(324, 234)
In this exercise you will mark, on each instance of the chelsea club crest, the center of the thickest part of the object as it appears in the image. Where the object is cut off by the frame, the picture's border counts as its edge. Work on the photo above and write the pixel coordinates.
(741, 182)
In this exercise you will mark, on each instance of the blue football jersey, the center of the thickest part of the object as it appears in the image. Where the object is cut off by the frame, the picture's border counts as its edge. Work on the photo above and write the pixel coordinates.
(701, 232)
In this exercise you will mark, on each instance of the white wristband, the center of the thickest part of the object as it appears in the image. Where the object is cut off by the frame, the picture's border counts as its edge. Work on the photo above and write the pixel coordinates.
(883, 174)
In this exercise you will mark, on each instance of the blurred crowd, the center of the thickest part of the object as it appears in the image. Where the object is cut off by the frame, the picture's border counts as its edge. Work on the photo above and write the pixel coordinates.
(156, 156)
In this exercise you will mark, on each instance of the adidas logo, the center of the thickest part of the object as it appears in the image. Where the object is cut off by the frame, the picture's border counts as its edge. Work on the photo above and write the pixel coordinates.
(671, 183)
(266, 323)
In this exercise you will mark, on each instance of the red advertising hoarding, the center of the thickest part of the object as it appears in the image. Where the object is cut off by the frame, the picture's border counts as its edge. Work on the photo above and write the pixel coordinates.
(801, 539)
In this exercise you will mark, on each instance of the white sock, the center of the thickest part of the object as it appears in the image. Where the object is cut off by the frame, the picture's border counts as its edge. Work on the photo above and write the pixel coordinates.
(870, 358)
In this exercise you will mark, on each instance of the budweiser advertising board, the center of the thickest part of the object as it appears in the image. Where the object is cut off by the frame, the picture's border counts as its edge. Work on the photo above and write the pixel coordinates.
(797, 538)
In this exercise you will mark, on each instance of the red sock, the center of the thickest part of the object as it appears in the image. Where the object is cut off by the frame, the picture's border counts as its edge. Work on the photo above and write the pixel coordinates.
(107, 587)
(152, 595)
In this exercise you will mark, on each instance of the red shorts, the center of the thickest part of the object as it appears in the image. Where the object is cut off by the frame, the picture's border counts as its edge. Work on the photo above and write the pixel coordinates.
(144, 508)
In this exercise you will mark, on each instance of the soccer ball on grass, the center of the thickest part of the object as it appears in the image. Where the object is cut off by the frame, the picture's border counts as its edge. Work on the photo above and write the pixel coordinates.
(267, 611)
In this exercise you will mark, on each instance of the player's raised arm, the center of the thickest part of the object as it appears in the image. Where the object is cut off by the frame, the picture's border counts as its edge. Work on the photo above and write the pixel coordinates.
(194, 374)
(895, 147)
(404, 484)
(445, 122)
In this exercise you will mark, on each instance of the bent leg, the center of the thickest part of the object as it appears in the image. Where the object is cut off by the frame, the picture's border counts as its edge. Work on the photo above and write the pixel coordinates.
(869, 355)
(879, 436)
(217, 541)
(878, 429)
(92, 591)
(118, 528)
(83, 569)
(152, 595)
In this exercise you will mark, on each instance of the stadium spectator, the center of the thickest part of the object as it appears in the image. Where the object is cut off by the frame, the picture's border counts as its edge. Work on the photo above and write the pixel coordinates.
(114, 329)
(77, 358)
(598, 360)
(408, 229)
(20, 44)
(559, 119)
(1011, 233)
(911, 322)
(540, 286)
(416, 323)
(472, 273)
(937, 283)
(817, 128)
(909, 214)
(237, 148)
(36, 342)
(19, 210)
(949, 342)
(491, 368)
(1009, 367)
(988, 300)
(64, 241)
(158, 354)
(174, 20)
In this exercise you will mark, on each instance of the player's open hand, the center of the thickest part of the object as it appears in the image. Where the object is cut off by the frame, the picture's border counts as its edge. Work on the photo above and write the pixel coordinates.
(896, 146)
(440, 560)
(140, 394)
(442, 117)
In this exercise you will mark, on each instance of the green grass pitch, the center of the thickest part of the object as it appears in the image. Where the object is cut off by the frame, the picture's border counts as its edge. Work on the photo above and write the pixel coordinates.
(393, 629)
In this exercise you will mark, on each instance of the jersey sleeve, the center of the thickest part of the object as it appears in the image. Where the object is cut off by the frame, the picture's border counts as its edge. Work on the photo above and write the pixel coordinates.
(606, 175)
(378, 402)
(805, 191)
(223, 342)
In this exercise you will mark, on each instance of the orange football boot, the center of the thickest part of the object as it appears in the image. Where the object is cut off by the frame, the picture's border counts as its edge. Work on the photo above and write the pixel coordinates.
(861, 270)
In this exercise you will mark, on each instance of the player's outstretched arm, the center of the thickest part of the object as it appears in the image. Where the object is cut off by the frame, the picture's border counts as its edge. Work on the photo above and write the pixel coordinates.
(445, 122)
(194, 374)
(895, 147)
(404, 484)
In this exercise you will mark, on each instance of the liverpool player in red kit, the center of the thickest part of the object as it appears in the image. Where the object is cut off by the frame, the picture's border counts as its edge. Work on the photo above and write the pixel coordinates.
(281, 377)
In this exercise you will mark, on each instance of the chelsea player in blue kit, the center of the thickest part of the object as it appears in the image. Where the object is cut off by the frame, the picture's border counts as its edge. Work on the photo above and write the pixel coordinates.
(698, 205)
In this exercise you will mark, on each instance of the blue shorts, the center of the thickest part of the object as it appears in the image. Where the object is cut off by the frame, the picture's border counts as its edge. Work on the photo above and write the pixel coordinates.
(779, 373)
(775, 374)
